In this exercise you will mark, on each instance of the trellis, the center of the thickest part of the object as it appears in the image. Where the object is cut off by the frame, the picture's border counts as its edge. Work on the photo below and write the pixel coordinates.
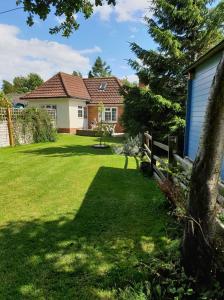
(9, 128)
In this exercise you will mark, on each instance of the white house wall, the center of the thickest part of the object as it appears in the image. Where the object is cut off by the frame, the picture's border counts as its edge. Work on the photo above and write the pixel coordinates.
(62, 105)
(75, 121)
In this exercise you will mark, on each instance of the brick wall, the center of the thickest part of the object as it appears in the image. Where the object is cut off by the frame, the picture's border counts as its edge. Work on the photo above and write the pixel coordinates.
(93, 115)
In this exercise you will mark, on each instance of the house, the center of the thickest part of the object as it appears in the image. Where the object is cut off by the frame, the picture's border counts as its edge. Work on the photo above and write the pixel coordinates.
(201, 74)
(77, 100)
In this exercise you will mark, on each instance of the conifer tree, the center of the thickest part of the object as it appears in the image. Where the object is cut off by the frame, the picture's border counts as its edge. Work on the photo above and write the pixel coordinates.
(100, 69)
(183, 30)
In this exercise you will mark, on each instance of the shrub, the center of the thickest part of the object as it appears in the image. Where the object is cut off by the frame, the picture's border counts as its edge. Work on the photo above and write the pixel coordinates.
(37, 124)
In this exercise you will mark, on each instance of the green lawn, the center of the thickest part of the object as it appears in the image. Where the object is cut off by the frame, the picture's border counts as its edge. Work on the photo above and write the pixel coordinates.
(75, 223)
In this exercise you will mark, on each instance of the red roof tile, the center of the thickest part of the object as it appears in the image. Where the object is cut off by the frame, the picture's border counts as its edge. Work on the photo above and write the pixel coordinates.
(61, 85)
(111, 94)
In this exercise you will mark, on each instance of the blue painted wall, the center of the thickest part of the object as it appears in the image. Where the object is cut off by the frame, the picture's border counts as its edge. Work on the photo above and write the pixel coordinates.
(199, 94)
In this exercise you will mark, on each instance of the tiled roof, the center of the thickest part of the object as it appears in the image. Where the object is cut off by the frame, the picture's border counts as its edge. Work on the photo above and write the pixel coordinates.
(61, 85)
(111, 94)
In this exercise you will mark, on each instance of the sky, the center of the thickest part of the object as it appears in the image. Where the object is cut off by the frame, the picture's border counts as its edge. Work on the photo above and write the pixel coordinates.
(107, 33)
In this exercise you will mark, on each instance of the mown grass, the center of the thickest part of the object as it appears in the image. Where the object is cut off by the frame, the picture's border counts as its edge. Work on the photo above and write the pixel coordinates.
(75, 222)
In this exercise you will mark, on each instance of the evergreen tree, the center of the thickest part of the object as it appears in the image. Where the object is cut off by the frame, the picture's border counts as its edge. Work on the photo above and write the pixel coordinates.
(77, 73)
(100, 69)
(184, 30)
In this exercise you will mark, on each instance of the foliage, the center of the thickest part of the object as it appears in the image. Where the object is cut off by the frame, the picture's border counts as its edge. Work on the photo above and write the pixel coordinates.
(7, 87)
(100, 69)
(130, 147)
(184, 30)
(4, 101)
(37, 123)
(167, 280)
(22, 84)
(221, 217)
(77, 73)
(61, 8)
(144, 111)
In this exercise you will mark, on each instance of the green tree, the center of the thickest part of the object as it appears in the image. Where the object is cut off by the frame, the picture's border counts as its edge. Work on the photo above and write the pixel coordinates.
(4, 101)
(145, 113)
(183, 30)
(77, 73)
(7, 87)
(100, 69)
(22, 84)
(65, 8)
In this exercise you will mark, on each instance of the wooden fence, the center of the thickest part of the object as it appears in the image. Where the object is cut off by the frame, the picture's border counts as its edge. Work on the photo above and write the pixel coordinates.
(170, 161)
(8, 117)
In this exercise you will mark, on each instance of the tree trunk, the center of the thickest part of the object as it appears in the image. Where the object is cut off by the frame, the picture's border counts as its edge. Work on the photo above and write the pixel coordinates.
(199, 228)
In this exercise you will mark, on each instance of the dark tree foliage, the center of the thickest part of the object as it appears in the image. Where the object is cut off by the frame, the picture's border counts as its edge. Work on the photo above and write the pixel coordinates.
(38, 123)
(100, 69)
(7, 87)
(77, 73)
(143, 110)
(22, 84)
(66, 8)
(183, 30)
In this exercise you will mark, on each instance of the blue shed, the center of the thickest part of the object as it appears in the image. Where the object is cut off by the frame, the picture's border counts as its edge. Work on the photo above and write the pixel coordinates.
(201, 75)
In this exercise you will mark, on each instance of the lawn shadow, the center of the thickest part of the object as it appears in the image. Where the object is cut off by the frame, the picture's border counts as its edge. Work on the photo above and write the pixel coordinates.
(89, 254)
(75, 149)
(69, 150)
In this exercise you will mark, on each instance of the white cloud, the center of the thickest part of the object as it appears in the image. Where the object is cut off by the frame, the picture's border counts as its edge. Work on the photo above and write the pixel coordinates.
(125, 10)
(95, 49)
(132, 36)
(22, 56)
(131, 78)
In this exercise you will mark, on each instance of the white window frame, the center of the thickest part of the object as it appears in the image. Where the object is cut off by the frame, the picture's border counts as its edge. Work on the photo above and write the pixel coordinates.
(80, 110)
(49, 106)
(110, 109)
(84, 112)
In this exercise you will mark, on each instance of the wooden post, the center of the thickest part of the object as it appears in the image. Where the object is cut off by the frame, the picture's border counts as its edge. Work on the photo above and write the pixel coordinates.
(172, 143)
(10, 126)
(153, 161)
(147, 140)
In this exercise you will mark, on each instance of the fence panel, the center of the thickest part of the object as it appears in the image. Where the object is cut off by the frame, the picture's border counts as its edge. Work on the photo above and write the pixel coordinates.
(15, 113)
(4, 133)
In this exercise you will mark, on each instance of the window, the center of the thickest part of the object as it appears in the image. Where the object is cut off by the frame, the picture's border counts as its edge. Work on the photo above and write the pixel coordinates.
(49, 106)
(103, 86)
(110, 114)
(85, 112)
(80, 112)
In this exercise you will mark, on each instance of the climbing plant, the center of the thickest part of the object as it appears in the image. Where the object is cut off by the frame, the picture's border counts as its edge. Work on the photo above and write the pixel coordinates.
(35, 124)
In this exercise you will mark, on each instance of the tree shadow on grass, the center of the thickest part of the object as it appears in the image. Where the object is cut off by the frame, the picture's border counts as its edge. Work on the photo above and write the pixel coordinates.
(69, 150)
(89, 255)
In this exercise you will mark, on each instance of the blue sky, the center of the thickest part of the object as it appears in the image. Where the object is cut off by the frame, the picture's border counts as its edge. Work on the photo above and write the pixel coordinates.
(107, 33)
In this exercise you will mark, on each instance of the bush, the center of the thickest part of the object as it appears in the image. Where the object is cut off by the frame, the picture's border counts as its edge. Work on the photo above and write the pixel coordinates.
(145, 111)
(36, 124)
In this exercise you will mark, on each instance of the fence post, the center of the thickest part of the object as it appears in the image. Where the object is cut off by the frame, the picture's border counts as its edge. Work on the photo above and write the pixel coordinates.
(173, 144)
(10, 126)
(153, 161)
